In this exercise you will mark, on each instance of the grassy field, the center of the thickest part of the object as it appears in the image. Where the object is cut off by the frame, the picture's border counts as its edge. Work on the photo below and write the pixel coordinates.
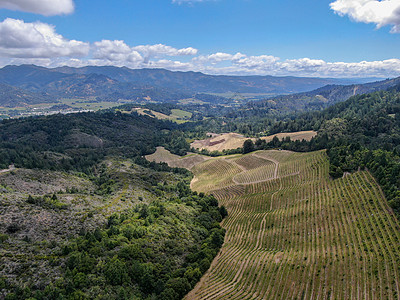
(293, 233)
(188, 161)
(179, 116)
(231, 140)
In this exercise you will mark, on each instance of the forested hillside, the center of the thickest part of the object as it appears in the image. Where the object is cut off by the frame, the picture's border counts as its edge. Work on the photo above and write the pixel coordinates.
(124, 232)
(362, 132)
(84, 216)
(11, 96)
(78, 141)
(322, 97)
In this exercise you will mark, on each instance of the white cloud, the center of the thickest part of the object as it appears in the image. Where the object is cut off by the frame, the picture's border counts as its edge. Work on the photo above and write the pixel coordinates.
(241, 64)
(36, 40)
(116, 52)
(218, 57)
(43, 7)
(381, 13)
(38, 43)
(119, 52)
(160, 50)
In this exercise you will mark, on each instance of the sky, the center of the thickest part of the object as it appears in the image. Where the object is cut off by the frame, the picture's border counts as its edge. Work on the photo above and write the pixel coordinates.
(315, 38)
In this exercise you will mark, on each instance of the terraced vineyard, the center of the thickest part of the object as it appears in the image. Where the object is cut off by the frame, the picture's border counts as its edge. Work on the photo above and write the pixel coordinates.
(297, 234)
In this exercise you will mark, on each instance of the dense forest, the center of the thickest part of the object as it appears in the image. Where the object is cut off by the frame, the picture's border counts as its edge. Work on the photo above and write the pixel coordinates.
(78, 141)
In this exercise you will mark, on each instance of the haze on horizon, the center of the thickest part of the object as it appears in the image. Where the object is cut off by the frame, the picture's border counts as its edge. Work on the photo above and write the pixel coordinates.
(328, 38)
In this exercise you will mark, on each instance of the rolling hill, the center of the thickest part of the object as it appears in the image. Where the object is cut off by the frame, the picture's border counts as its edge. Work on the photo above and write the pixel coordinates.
(293, 233)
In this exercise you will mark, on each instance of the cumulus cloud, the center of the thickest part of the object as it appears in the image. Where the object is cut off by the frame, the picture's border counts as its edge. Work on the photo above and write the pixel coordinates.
(43, 7)
(159, 50)
(218, 57)
(119, 52)
(381, 13)
(240, 64)
(38, 43)
(116, 52)
(36, 40)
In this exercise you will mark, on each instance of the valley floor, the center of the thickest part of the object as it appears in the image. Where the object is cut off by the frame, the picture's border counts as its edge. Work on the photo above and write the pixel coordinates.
(293, 233)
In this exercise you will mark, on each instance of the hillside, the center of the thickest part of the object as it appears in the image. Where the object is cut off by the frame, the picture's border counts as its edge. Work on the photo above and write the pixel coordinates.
(203, 83)
(228, 141)
(360, 133)
(11, 96)
(78, 141)
(111, 235)
(371, 118)
(292, 232)
(322, 97)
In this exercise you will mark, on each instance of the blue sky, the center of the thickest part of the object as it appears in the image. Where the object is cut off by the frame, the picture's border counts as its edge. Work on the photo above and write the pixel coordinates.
(342, 38)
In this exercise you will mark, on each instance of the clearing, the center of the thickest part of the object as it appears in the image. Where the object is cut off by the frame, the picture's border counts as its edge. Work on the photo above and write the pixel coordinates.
(227, 141)
(176, 161)
(177, 115)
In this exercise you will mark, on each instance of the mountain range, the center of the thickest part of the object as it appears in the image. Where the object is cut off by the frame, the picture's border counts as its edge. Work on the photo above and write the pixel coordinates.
(30, 84)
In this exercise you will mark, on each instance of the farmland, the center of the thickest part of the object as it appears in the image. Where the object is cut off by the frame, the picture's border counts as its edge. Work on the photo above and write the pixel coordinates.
(294, 233)
(227, 141)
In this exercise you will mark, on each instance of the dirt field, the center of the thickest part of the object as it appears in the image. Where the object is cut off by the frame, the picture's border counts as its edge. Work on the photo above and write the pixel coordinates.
(226, 141)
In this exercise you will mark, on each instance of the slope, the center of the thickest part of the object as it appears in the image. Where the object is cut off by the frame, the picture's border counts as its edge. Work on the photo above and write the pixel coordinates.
(12, 97)
(321, 97)
(299, 235)
(29, 76)
(125, 232)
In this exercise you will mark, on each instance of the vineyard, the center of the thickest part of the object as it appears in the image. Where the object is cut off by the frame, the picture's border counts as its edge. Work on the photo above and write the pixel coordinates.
(293, 233)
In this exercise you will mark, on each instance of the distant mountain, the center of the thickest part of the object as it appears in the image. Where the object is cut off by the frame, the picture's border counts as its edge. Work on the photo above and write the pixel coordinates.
(322, 97)
(202, 83)
(29, 77)
(11, 96)
(33, 80)
(114, 83)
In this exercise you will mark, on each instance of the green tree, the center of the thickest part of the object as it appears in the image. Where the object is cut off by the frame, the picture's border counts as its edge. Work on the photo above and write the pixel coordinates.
(248, 146)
